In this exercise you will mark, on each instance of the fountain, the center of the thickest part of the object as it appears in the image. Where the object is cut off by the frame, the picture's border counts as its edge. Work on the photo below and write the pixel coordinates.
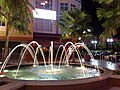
(57, 69)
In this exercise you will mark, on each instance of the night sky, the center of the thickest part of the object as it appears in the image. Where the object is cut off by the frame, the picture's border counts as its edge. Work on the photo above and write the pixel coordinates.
(90, 7)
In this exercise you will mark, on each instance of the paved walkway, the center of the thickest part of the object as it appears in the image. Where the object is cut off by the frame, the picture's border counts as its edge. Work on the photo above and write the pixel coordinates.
(105, 64)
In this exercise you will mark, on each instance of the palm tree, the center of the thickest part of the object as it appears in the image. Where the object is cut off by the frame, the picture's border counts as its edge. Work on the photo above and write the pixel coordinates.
(109, 14)
(17, 15)
(73, 23)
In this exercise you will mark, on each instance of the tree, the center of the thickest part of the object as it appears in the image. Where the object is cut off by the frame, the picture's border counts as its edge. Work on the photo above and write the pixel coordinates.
(109, 14)
(17, 16)
(73, 23)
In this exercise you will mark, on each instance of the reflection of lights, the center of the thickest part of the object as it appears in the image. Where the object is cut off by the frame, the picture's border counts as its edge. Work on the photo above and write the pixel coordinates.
(34, 65)
(83, 43)
(95, 62)
(67, 65)
(82, 67)
(5, 70)
(83, 60)
(2, 75)
(111, 65)
(53, 71)
(97, 74)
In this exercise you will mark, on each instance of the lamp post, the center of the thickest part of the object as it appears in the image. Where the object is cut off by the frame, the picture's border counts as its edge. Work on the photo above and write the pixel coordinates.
(94, 42)
(110, 41)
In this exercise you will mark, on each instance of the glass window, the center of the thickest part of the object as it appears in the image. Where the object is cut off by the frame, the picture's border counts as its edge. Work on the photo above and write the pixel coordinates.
(42, 25)
(78, 1)
(44, 4)
(63, 6)
(73, 6)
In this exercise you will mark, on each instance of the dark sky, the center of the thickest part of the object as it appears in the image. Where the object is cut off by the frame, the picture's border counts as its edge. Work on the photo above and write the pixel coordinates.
(90, 7)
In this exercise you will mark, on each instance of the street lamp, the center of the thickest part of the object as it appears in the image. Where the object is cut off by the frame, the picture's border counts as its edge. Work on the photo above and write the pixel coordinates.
(94, 42)
(110, 41)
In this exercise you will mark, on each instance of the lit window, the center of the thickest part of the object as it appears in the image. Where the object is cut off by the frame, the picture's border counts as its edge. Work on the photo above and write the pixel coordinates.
(44, 4)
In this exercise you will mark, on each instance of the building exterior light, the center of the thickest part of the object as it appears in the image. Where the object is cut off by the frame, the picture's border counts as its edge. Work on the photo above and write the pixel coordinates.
(42, 4)
(109, 40)
(46, 2)
(88, 30)
(94, 42)
(84, 32)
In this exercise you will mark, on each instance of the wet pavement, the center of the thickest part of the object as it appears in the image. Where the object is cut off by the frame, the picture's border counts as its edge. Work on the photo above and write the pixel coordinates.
(105, 64)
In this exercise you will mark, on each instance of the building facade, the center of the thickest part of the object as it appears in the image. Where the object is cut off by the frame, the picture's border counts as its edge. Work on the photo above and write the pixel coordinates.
(46, 29)
(41, 29)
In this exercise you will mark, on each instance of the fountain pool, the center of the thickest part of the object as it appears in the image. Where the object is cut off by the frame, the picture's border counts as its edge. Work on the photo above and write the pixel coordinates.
(64, 73)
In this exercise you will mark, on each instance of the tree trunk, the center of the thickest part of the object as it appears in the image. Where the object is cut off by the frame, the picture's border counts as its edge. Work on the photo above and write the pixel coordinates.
(6, 41)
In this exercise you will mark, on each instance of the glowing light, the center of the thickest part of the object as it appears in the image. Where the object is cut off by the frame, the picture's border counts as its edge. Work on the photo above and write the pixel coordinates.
(5, 70)
(67, 65)
(82, 67)
(46, 2)
(42, 4)
(53, 71)
(0, 62)
(109, 40)
(44, 14)
(88, 30)
(34, 65)
(2, 75)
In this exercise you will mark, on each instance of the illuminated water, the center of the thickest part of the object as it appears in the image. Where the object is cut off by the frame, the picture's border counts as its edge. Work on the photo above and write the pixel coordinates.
(64, 73)
(49, 70)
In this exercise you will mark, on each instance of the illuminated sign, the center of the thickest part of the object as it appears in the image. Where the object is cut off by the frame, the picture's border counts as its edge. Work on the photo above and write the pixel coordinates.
(44, 14)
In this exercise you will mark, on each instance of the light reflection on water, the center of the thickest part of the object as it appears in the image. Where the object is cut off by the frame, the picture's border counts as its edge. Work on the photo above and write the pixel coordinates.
(65, 73)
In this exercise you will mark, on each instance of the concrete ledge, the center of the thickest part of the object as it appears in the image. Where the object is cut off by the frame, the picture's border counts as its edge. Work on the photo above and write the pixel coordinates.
(115, 88)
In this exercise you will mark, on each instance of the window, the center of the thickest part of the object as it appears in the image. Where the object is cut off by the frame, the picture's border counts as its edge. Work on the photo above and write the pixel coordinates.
(43, 25)
(73, 6)
(64, 6)
(44, 4)
(78, 1)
